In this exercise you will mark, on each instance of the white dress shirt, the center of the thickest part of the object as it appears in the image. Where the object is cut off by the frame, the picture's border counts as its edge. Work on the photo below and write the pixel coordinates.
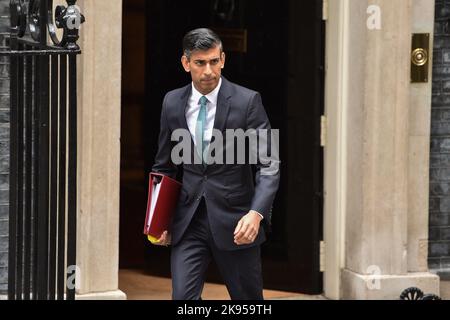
(194, 108)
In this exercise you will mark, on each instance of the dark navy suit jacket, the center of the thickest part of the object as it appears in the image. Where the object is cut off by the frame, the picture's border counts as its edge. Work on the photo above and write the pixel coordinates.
(230, 190)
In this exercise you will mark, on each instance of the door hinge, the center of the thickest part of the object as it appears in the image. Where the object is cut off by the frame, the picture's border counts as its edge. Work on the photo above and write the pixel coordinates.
(324, 10)
(322, 256)
(323, 131)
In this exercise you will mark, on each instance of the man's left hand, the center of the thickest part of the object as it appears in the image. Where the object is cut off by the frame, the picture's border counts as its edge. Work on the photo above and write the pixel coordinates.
(247, 229)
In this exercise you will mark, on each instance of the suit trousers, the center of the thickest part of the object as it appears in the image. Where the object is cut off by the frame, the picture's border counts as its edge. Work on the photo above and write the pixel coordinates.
(240, 269)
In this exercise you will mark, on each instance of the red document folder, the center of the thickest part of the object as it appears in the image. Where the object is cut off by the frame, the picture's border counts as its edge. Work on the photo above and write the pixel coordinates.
(163, 193)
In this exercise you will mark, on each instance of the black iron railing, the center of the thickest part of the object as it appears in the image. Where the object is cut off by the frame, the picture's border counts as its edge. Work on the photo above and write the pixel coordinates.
(43, 149)
(414, 293)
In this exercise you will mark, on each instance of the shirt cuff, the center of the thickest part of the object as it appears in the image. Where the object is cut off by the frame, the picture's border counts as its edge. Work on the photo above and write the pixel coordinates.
(262, 217)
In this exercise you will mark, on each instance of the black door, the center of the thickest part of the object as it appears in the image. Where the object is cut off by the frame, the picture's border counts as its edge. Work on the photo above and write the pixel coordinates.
(277, 49)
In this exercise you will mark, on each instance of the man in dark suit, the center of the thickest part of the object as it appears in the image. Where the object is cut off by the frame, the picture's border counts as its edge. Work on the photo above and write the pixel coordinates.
(221, 206)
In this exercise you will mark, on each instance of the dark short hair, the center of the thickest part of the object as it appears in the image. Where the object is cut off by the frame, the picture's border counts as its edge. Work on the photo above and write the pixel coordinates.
(200, 39)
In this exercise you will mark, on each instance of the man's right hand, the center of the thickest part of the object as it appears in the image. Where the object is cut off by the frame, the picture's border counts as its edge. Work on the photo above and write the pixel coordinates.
(165, 239)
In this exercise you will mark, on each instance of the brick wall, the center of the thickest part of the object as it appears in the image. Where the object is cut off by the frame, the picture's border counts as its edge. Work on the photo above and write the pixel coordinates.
(439, 245)
(4, 148)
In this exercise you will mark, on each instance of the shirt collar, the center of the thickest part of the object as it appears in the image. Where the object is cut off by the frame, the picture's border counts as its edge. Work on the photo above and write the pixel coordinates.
(212, 96)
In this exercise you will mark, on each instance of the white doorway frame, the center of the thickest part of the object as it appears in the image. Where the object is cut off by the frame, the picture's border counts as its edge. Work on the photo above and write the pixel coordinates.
(336, 97)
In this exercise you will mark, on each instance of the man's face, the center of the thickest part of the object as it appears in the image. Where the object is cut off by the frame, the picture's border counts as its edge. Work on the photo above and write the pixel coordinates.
(205, 68)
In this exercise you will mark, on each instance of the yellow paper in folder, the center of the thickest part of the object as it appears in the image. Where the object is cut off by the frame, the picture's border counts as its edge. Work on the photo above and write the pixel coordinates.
(152, 239)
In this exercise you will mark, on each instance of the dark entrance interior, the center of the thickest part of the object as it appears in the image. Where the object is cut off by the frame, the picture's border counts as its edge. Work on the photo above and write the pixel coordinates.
(276, 48)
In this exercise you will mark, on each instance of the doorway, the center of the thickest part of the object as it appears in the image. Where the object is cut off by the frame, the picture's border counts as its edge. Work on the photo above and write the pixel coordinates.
(274, 48)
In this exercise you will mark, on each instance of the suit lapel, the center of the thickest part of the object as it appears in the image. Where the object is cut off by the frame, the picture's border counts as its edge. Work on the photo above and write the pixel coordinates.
(222, 109)
(223, 105)
(184, 104)
(184, 100)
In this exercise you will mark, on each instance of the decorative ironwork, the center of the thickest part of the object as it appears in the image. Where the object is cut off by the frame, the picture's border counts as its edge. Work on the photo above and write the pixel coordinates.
(68, 18)
(34, 19)
(18, 18)
(414, 293)
(411, 294)
(431, 297)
